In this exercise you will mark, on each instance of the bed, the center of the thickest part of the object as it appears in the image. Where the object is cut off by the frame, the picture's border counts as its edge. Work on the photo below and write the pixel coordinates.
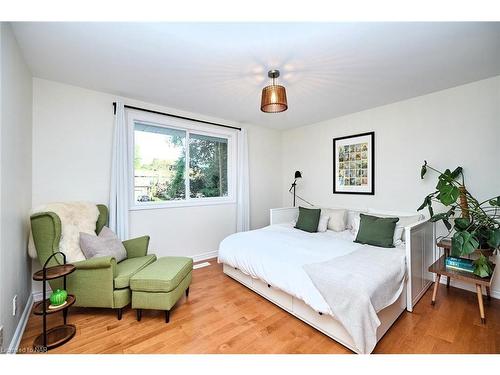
(271, 262)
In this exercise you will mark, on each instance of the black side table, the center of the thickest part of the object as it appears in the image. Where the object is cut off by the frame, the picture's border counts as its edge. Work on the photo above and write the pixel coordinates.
(58, 335)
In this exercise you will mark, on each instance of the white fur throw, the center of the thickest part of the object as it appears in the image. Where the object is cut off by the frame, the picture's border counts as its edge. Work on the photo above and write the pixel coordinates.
(75, 217)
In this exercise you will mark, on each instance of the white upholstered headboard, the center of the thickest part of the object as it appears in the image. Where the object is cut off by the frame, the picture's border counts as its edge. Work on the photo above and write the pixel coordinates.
(289, 214)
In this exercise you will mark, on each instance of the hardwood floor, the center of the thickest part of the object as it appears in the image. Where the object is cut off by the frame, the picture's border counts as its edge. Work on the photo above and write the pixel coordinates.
(223, 316)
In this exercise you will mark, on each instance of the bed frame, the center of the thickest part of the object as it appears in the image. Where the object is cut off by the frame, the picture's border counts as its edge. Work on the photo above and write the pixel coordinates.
(420, 248)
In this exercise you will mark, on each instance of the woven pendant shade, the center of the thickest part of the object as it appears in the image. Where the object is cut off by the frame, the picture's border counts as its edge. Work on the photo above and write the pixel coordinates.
(273, 96)
(273, 99)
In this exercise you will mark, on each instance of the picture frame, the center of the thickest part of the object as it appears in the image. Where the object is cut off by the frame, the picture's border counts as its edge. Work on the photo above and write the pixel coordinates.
(354, 164)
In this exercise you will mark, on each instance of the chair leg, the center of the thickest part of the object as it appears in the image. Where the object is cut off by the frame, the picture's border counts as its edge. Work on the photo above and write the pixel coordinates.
(139, 314)
(187, 292)
(119, 313)
(167, 316)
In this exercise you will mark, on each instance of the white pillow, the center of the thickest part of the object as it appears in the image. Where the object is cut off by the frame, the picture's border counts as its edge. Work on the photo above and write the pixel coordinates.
(323, 223)
(398, 233)
(355, 225)
(337, 220)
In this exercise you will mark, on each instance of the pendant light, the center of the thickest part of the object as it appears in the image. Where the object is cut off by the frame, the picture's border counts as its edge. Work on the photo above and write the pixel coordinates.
(273, 96)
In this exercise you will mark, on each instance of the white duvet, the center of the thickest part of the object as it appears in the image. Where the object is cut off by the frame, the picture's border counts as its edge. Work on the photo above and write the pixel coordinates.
(276, 254)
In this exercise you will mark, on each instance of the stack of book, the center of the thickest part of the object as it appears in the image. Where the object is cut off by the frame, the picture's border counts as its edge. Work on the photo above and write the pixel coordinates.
(459, 264)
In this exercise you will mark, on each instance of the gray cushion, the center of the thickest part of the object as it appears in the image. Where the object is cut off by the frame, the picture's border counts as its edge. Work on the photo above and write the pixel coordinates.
(106, 244)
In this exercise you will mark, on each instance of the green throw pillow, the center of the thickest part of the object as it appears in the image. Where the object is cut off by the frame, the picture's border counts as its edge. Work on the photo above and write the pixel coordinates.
(308, 219)
(376, 231)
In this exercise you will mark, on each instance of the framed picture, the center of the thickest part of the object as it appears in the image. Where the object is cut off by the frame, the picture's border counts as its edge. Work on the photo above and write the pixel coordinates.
(354, 164)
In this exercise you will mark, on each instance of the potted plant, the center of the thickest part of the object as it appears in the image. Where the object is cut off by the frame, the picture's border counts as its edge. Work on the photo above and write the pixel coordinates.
(477, 228)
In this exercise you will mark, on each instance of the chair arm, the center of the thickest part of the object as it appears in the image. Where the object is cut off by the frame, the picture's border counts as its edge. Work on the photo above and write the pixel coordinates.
(137, 247)
(93, 263)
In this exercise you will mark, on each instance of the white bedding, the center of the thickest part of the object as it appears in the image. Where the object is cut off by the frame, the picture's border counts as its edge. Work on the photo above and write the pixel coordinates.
(357, 286)
(276, 254)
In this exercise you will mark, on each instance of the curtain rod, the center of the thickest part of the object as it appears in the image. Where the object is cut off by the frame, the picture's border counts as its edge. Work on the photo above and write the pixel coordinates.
(176, 116)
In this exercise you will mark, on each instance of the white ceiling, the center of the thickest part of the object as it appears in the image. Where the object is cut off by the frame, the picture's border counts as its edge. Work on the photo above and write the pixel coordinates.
(218, 69)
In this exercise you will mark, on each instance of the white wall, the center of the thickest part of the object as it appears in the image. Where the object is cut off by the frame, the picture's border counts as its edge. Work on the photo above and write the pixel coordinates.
(15, 186)
(72, 131)
(457, 126)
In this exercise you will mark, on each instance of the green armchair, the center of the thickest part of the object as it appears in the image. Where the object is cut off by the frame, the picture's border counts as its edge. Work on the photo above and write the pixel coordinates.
(97, 282)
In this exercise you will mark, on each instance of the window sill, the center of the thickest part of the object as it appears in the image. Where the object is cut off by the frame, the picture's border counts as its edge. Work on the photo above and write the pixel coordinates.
(176, 204)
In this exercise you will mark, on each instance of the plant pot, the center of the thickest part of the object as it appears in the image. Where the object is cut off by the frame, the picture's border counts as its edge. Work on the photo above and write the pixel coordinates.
(486, 252)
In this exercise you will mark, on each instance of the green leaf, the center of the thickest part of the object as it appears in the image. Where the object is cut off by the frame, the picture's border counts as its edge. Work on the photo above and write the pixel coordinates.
(464, 243)
(482, 267)
(495, 201)
(462, 223)
(494, 238)
(441, 183)
(440, 216)
(446, 176)
(425, 203)
(431, 211)
(447, 224)
(456, 245)
(457, 172)
(481, 271)
(448, 194)
(423, 170)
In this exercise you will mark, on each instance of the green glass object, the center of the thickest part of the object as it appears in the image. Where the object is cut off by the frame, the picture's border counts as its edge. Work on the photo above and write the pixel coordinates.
(58, 297)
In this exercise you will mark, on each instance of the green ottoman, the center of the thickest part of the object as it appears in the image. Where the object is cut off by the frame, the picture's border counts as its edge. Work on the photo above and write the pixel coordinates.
(161, 284)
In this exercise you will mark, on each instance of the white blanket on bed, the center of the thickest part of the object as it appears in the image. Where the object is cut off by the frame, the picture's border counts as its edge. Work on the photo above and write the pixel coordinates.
(276, 254)
(357, 286)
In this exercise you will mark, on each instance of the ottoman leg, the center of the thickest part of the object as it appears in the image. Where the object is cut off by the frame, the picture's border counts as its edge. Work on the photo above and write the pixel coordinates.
(167, 316)
(139, 314)
(119, 313)
(187, 292)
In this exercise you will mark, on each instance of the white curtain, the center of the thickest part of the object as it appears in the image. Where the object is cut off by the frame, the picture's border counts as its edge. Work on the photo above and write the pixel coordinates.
(118, 199)
(243, 209)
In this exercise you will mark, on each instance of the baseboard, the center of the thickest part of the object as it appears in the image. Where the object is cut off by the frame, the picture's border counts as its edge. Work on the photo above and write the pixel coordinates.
(18, 334)
(38, 296)
(205, 256)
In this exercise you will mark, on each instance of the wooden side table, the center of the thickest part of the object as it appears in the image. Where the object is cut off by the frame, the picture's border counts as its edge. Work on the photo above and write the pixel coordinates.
(439, 268)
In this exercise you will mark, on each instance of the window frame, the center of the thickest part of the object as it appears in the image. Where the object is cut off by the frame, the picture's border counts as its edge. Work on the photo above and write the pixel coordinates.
(189, 127)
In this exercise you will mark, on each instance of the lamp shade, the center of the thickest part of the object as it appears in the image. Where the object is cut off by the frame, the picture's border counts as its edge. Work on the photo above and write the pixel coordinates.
(298, 174)
(273, 99)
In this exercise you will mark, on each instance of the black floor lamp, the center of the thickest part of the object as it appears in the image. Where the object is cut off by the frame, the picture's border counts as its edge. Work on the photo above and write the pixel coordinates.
(294, 185)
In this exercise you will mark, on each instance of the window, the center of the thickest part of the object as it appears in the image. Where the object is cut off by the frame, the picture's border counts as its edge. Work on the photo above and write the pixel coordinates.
(207, 166)
(160, 156)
